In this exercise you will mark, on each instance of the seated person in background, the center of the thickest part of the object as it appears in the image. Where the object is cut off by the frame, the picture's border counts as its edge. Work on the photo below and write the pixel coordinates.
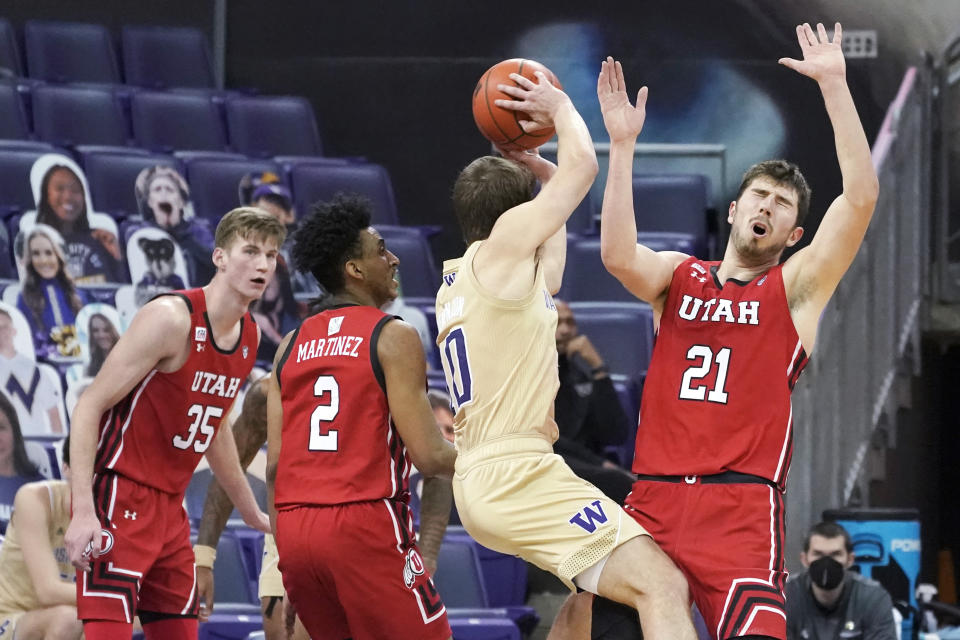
(48, 297)
(103, 336)
(826, 601)
(587, 410)
(442, 411)
(31, 393)
(164, 200)
(62, 202)
(16, 469)
(38, 594)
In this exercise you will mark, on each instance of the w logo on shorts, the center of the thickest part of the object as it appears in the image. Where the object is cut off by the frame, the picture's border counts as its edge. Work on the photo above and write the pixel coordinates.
(586, 517)
(3, 628)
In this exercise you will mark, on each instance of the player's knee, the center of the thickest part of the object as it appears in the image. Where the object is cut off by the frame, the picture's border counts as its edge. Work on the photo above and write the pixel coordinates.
(64, 624)
(572, 621)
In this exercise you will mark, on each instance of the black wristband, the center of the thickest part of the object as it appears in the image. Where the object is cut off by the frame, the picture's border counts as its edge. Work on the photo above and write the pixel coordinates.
(598, 370)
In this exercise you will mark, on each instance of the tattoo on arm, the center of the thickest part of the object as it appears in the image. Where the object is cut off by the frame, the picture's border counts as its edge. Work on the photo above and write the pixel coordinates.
(249, 433)
(435, 508)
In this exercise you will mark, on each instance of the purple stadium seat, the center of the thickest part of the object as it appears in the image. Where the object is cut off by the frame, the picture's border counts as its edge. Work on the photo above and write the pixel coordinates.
(312, 182)
(16, 195)
(112, 175)
(669, 241)
(13, 118)
(585, 277)
(169, 121)
(160, 57)
(70, 52)
(266, 126)
(459, 577)
(9, 51)
(621, 331)
(420, 277)
(481, 625)
(69, 116)
(673, 202)
(214, 183)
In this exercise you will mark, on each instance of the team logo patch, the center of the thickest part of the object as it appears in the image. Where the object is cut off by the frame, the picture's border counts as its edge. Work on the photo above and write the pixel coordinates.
(200, 334)
(334, 326)
(412, 567)
(588, 519)
(3, 627)
(105, 545)
(245, 352)
(762, 280)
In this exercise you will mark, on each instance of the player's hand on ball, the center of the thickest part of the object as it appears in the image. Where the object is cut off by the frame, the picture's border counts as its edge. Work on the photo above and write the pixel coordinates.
(622, 120)
(82, 540)
(540, 100)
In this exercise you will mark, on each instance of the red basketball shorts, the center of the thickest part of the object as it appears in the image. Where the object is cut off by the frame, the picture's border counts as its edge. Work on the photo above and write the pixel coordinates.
(147, 561)
(728, 541)
(354, 571)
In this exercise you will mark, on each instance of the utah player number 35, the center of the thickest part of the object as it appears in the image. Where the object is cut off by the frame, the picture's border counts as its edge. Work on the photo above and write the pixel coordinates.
(201, 422)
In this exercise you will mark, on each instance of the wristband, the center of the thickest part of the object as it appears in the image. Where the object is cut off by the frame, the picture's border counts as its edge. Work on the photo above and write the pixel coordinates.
(598, 370)
(204, 556)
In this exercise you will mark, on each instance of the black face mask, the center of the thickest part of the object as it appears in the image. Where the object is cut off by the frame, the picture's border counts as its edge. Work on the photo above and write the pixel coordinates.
(826, 573)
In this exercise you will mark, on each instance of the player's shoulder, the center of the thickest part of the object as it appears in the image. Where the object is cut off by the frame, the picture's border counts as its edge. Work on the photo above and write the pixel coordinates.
(33, 495)
(169, 311)
(397, 338)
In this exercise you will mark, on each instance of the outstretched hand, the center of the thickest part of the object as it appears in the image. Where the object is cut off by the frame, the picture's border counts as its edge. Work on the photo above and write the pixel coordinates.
(822, 59)
(623, 120)
(539, 100)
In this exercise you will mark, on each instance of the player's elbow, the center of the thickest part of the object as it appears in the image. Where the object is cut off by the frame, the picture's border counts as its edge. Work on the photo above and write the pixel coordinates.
(48, 595)
(438, 461)
(863, 194)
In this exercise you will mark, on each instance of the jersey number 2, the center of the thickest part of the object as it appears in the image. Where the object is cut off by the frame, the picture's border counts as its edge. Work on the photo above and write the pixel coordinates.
(691, 391)
(201, 422)
(320, 441)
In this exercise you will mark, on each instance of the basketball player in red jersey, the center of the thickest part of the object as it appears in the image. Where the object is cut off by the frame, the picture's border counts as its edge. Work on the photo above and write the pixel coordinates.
(714, 442)
(140, 430)
(346, 403)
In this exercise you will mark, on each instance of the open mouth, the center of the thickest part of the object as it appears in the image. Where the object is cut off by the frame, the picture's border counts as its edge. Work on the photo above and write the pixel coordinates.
(165, 207)
(259, 280)
(759, 230)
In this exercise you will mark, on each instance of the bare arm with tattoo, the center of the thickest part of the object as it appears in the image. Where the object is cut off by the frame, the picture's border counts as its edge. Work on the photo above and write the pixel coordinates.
(249, 433)
(435, 505)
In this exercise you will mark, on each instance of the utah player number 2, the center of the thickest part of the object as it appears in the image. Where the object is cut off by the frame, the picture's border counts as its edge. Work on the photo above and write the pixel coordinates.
(705, 358)
(325, 386)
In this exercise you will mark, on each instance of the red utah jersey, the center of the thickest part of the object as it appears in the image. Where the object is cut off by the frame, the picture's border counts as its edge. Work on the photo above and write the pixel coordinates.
(717, 393)
(338, 443)
(157, 434)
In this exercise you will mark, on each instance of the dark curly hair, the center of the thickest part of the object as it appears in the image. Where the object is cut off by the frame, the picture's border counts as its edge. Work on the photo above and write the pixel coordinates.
(330, 236)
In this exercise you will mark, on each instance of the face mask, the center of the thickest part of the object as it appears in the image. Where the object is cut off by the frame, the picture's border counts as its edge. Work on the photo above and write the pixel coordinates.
(826, 573)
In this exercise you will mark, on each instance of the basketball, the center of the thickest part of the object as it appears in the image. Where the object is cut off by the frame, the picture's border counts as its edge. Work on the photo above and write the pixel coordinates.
(498, 125)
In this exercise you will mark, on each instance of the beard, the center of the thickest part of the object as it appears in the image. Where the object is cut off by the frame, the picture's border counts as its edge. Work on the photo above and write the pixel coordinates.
(749, 248)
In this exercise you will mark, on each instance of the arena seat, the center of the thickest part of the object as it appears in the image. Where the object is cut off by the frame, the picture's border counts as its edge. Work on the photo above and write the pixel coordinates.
(621, 331)
(585, 277)
(166, 121)
(13, 118)
(480, 625)
(70, 116)
(266, 126)
(16, 195)
(9, 51)
(314, 181)
(214, 183)
(459, 578)
(111, 177)
(230, 622)
(196, 494)
(161, 57)
(419, 275)
(583, 218)
(669, 241)
(673, 202)
(70, 52)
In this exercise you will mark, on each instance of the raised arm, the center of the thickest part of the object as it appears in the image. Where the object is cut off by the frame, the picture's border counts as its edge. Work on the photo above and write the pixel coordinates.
(644, 272)
(157, 337)
(519, 232)
(813, 273)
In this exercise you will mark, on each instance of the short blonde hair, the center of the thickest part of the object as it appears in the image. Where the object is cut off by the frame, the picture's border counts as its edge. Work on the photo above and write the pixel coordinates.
(250, 223)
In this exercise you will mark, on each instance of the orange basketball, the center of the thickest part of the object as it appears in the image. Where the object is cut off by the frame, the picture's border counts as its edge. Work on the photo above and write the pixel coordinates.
(498, 125)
